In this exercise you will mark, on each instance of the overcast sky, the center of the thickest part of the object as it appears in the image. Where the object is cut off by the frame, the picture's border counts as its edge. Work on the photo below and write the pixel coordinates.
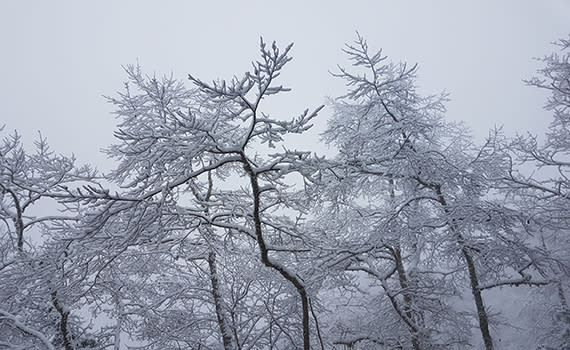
(58, 58)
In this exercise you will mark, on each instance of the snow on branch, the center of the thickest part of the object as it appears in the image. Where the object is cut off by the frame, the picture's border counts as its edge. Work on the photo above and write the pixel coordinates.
(8, 316)
(515, 282)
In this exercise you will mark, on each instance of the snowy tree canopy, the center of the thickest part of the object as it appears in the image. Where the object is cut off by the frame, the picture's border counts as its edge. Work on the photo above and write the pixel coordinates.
(214, 232)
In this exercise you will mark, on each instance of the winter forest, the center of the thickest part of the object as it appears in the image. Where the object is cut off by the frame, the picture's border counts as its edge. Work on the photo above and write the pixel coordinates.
(214, 232)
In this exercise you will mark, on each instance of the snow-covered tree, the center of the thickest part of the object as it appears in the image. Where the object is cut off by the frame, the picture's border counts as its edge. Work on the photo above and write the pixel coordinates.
(214, 233)
(38, 297)
(201, 182)
(539, 184)
(424, 193)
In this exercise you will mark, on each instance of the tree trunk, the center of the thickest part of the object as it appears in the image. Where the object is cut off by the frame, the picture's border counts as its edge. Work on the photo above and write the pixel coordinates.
(18, 222)
(295, 280)
(481, 312)
(402, 277)
(216, 294)
(473, 278)
(404, 284)
(119, 324)
(63, 326)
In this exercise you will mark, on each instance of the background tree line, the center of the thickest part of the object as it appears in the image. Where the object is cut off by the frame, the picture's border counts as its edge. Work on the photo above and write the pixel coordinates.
(213, 233)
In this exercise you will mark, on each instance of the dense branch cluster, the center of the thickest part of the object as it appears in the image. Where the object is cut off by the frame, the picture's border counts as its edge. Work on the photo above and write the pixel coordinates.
(211, 233)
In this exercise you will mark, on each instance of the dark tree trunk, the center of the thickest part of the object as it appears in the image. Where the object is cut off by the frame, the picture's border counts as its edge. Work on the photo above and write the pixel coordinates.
(481, 312)
(18, 222)
(295, 280)
(473, 277)
(216, 294)
(404, 284)
(63, 325)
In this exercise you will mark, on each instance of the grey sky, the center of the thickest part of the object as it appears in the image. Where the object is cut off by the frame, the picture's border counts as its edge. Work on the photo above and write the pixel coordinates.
(59, 57)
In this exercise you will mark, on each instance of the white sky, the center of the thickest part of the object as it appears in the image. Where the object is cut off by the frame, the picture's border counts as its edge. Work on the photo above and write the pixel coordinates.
(59, 57)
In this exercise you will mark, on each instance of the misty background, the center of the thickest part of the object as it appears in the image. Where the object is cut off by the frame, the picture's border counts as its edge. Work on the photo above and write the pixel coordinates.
(59, 58)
